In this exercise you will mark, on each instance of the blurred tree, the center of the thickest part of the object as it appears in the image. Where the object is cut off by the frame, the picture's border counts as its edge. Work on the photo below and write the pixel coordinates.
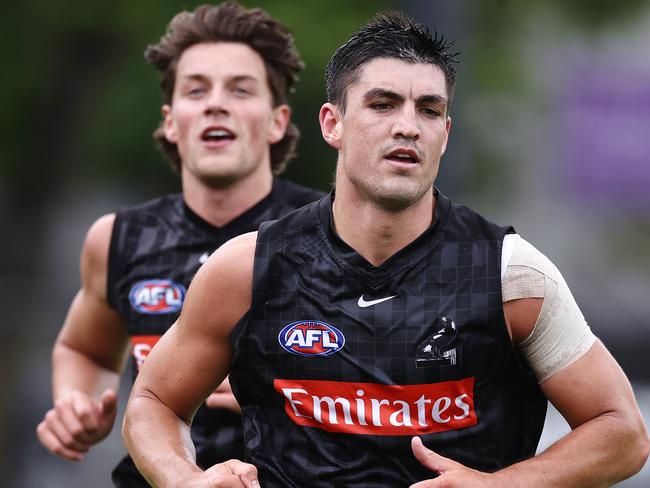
(79, 102)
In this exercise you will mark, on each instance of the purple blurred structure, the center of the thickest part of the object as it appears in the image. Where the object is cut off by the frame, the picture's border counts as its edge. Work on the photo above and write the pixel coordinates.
(605, 132)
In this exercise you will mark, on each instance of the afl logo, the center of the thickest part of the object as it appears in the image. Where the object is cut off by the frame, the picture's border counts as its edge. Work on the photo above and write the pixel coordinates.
(157, 296)
(311, 338)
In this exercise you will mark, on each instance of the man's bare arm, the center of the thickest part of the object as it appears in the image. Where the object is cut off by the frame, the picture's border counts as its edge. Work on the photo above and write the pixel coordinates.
(87, 358)
(608, 441)
(184, 367)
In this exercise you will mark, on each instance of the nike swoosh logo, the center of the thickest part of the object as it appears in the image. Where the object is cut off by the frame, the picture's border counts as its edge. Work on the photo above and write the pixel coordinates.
(363, 304)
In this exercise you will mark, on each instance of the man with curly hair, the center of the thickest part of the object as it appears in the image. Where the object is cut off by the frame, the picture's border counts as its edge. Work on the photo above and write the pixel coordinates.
(226, 72)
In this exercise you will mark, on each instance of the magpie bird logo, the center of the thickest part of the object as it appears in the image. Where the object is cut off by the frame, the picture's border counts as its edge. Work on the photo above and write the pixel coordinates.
(439, 349)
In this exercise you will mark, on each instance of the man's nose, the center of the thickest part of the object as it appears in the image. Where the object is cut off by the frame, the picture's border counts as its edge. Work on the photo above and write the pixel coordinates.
(216, 102)
(406, 125)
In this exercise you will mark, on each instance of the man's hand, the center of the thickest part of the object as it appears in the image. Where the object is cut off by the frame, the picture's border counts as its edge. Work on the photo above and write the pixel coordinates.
(451, 474)
(223, 397)
(76, 423)
(231, 474)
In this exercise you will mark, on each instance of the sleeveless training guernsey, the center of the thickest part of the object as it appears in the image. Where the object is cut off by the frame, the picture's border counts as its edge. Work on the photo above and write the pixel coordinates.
(156, 248)
(339, 363)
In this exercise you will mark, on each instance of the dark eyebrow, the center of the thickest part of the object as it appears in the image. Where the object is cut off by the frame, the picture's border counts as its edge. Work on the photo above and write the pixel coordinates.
(195, 77)
(236, 78)
(382, 93)
(391, 95)
(432, 99)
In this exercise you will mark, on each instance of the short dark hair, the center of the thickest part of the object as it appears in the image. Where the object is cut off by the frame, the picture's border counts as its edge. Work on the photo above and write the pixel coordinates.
(389, 35)
(230, 22)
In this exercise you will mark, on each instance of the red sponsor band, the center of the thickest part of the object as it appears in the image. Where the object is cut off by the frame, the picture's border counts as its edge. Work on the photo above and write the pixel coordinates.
(142, 346)
(374, 409)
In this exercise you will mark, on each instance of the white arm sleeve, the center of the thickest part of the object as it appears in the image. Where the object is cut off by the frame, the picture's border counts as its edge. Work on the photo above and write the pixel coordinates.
(560, 335)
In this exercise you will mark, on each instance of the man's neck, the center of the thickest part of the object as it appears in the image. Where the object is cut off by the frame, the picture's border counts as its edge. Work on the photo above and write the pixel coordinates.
(220, 205)
(376, 233)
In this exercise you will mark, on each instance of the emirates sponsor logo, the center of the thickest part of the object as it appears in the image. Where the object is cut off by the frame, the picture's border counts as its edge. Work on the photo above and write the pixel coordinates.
(142, 346)
(374, 409)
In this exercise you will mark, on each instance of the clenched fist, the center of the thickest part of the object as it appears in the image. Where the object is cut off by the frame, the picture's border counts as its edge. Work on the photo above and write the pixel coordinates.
(76, 423)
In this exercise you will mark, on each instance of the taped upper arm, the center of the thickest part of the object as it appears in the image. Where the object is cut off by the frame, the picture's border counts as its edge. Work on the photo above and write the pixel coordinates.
(551, 336)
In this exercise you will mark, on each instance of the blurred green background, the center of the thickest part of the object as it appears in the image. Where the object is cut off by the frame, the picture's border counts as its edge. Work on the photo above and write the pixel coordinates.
(550, 133)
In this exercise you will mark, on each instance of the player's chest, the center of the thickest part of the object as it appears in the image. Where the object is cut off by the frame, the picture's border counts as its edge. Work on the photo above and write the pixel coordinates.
(151, 288)
(406, 334)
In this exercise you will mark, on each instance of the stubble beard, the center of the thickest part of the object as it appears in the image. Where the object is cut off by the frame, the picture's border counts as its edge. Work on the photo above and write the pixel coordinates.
(396, 196)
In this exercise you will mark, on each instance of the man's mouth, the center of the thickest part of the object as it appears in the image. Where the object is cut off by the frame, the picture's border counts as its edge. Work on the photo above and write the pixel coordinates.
(403, 155)
(217, 134)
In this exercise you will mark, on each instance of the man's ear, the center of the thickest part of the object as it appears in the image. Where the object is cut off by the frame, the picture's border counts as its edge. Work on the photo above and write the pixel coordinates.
(330, 119)
(447, 129)
(279, 124)
(169, 125)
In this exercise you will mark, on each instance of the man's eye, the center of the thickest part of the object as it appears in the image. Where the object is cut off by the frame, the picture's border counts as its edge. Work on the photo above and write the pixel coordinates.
(196, 92)
(381, 106)
(430, 112)
(241, 91)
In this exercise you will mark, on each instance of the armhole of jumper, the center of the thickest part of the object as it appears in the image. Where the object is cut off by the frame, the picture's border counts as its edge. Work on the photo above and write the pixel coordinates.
(509, 243)
(113, 261)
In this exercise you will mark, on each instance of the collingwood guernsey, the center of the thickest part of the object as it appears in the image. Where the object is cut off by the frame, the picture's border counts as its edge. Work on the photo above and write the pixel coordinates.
(338, 363)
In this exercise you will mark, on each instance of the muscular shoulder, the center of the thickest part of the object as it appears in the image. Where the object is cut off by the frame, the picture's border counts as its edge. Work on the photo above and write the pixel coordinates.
(98, 236)
(233, 260)
(221, 290)
(94, 254)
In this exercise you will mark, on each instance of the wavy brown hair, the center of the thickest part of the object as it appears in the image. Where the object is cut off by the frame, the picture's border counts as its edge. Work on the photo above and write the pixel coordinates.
(230, 22)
